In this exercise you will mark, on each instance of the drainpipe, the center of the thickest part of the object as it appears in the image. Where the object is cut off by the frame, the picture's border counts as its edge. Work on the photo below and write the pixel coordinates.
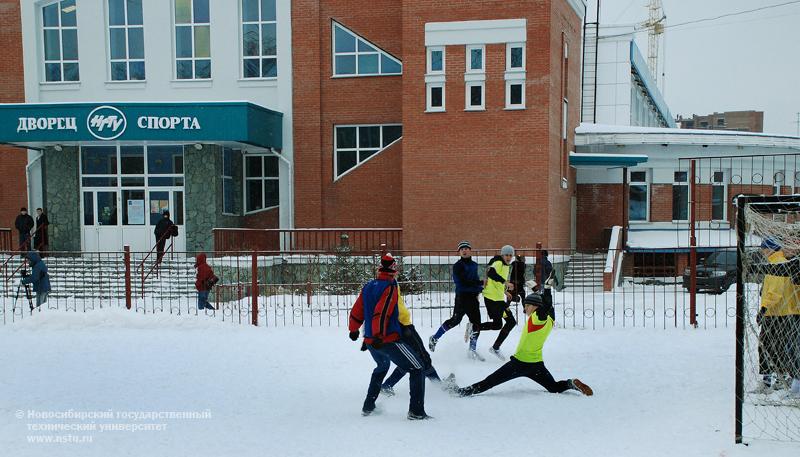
(28, 177)
(289, 164)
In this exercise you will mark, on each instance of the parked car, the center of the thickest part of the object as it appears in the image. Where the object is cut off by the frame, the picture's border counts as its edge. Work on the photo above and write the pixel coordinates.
(715, 274)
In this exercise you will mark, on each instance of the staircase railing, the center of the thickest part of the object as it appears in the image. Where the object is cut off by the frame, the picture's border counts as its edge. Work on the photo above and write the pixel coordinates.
(157, 264)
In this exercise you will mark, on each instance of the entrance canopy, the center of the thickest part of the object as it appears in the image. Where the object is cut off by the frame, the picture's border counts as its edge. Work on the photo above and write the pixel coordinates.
(36, 125)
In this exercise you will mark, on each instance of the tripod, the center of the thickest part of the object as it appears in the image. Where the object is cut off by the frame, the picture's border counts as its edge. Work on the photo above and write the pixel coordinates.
(27, 295)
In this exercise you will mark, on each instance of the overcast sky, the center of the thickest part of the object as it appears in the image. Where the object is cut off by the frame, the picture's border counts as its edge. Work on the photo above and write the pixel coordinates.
(744, 62)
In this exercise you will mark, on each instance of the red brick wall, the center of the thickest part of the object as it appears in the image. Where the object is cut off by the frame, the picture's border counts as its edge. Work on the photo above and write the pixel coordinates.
(660, 202)
(492, 176)
(599, 207)
(368, 196)
(13, 189)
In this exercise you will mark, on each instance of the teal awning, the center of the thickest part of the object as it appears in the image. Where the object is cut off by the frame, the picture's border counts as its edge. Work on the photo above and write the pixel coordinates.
(582, 160)
(37, 125)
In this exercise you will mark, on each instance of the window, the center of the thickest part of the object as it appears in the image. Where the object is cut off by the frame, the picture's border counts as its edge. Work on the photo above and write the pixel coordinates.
(60, 34)
(192, 39)
(721, 122)
(261, 182)
(435, 97)
(126, 40)
(475, 96)
(228, 185)
(355, 56)
(515, 76)
(259, 39)
(436, 60)
(718, 196)
(680, 196)
(476, 59)
(638, 193)
(354, 145)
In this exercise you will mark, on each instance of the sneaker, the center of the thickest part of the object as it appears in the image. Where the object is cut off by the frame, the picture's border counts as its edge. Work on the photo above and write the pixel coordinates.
(387, 391)
(468, 332)
(449, 383)
(418, 417)
(497, 353)
(366, 412)
(472, 354)
(432, 343)
(576, 384)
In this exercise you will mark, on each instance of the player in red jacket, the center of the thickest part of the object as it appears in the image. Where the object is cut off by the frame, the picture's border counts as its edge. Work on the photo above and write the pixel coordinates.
(204, 282)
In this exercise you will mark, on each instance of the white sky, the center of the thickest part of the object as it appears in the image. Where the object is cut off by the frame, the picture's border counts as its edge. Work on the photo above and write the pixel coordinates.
(749, 61)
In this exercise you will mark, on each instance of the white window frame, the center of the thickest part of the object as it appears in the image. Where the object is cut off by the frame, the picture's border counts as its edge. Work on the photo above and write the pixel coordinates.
(517, 106)
(468, 106)
(261, 56)
(263, 179)
(60, 29)
(647, 186)
(192, 25)
(468, 58)
(686, 183)
(429, 59)
(379, 52)
(127, 60)
(509, 46)
(724, 184)
(358, 148)
(428, 97)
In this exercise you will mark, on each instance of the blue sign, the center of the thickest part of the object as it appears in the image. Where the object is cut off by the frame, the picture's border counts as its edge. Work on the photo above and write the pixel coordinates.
(36, 125)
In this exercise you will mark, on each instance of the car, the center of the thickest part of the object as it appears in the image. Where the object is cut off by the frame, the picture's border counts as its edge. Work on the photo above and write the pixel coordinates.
(715, 274)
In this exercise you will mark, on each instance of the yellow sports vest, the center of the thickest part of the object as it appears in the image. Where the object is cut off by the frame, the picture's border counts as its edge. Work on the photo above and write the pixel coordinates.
(779, 296)
(497, 290)
(404, 316)
(534, 334)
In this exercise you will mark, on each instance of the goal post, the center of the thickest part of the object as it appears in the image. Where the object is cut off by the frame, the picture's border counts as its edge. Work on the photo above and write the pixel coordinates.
(767, 317)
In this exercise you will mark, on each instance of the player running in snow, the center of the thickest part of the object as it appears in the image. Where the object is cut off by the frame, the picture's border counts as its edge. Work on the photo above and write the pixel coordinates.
(498, 289)
(468, 286)
(377, 309)
(528, 360)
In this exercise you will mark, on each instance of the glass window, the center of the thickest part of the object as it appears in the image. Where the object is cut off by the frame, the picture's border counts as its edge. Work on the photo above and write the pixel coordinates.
(355, 144)
(516, 57)
(259, 39)
(435, 97)
(516, 97)
(133, 207)
(88, 208)
(126, 40)
(158, 202)
(680, 196)
(638, 196)
(106, 208)
(99, 160)
(60, 40)
(475, 95)
(261, 182)
(192, 39)
(435, 60)
(718, 202)
(165, 160)
(355, 56)
(131, 160)
(475, 55)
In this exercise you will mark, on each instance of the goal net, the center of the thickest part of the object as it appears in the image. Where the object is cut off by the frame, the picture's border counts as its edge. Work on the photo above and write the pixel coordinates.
(768, 320)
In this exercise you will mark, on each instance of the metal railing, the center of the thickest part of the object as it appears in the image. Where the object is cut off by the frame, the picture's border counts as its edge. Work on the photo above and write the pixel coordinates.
(319, 288)
(5, 239)
(358, 240)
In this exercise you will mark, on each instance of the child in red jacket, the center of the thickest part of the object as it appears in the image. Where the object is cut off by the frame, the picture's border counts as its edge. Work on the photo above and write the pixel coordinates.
(204, 282)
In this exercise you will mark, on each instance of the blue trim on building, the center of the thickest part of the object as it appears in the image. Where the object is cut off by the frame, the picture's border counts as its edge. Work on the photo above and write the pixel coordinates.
(605, 160)
(643, 71)
(41, 124)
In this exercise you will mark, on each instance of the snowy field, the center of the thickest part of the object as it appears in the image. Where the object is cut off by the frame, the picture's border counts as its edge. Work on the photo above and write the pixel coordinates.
(166, 385)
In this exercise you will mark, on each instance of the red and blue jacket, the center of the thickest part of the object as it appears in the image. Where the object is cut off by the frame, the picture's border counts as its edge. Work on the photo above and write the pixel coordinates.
(376, 308)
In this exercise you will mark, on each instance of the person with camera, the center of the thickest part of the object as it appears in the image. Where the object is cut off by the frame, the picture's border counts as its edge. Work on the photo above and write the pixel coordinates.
(377, 310)
(205, 280)
(39, 278)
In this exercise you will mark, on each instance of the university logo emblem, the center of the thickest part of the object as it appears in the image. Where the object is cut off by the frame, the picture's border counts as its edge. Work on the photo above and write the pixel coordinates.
(106, 123)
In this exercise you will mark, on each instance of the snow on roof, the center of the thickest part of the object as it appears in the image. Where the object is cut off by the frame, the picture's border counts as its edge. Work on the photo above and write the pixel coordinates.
(588, 128)
(678, 239)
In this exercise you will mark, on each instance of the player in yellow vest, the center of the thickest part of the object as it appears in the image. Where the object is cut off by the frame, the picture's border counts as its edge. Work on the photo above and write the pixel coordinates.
(528, 361)
(498, 288)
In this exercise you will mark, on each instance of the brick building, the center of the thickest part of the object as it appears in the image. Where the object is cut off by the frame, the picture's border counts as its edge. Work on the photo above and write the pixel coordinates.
(743, 121)
(13, 191)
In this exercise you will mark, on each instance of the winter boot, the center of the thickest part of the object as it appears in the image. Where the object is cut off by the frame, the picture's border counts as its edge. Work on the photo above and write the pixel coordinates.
(576, 384)
(497, 353)
(418, 417)
(432, 343)
(472, 354)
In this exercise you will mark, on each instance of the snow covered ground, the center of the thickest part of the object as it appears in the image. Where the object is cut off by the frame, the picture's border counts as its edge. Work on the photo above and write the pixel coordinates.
(167, 385)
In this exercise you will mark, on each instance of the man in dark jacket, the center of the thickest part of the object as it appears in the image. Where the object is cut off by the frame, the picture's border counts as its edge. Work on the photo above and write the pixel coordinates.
(468, 286)
(204, 281)
(163, 231)
(38, 278)
(24, 225)
(40, 241)
(377, 310)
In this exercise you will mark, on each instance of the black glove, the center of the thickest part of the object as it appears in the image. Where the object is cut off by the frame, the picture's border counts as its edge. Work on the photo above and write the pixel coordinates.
(354, 335)
(377, 343)
(760, 315)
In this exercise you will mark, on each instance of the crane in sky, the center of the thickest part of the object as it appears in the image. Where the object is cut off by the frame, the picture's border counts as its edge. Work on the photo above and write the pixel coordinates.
(655, 29)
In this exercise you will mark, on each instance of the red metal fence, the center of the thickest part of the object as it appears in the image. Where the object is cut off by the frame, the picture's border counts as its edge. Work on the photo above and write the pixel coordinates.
(356, 240)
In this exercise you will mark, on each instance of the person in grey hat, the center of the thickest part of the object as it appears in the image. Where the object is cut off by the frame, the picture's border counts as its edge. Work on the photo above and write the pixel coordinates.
(468, 287)
(497, 290)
